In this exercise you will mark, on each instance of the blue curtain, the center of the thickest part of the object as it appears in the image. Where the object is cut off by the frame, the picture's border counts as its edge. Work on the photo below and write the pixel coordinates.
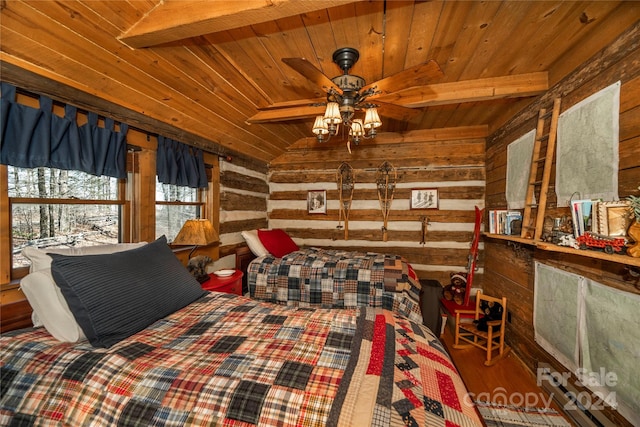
(35, 137)
(180, 164)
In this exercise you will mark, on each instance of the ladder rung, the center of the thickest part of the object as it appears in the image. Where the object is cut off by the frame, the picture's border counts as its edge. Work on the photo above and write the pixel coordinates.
(543, 137)
(535, 183)
(532, 205)
(547, 114)
(541, 159)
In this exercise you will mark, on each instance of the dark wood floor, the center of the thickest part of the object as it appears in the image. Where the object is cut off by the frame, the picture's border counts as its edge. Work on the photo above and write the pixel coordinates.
(508, 377)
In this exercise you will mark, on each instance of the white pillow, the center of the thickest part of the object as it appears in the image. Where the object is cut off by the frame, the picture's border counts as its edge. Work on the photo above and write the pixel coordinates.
(50, 309)
(254, 243)
(41, 261)
(49, 306)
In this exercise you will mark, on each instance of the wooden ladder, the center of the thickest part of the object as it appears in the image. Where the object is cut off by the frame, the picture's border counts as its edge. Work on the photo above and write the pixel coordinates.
(540, 158)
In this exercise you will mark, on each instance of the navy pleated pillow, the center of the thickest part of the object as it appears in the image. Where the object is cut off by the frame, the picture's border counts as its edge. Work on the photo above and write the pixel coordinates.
(114, 296)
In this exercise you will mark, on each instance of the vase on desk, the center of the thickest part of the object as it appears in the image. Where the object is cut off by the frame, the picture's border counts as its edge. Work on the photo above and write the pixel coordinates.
(634, 233)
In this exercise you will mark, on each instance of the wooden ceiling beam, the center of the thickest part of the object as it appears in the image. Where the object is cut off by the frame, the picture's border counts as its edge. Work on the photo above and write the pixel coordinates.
(521, 85)
(174, 20)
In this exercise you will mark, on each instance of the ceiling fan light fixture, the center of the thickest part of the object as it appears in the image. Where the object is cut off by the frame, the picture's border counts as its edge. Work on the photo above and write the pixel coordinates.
(344, 99)
(371, 118)
(357, 128)
(332, 114)
(320, 127)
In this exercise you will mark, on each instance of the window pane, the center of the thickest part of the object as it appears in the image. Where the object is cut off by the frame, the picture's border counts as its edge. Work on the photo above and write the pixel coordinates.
(174, 193)
(61, 226)
(62, 184)
(170, 218)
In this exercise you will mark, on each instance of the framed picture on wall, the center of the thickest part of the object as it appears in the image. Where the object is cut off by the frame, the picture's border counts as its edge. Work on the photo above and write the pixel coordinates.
(424, 198)
(317, 202)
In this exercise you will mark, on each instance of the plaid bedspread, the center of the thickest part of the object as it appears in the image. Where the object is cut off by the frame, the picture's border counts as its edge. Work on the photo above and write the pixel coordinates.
(330, 278)
(228, 360)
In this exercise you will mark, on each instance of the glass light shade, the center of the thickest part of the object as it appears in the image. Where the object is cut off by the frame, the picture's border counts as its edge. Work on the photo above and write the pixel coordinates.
(320, 127)
(332, 113)
(197, 232)
(371, 118)
(357, 128)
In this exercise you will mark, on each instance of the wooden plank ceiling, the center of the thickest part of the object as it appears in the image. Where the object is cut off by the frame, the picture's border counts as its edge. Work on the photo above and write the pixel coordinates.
(201, 71)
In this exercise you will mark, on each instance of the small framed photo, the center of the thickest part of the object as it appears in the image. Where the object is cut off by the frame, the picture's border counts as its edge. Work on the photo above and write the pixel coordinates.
(317, 202)
(424, 198)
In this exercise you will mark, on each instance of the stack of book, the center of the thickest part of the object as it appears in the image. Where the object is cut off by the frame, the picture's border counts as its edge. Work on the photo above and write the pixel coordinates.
(501, 220)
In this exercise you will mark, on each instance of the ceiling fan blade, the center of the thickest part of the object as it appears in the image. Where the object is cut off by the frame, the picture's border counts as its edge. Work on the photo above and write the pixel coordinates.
(419, 75)
(288, 113)
(308, 70)
(296, 103)
(397, 112)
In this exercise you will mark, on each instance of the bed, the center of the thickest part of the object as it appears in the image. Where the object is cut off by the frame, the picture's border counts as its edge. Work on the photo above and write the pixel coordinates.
(220, 359)
(329, 278)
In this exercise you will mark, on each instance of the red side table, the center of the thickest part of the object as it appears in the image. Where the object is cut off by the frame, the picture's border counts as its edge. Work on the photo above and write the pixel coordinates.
(230, 284)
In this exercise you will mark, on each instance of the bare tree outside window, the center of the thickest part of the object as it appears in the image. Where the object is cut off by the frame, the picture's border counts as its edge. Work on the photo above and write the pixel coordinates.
(174, 206)
(84, 210)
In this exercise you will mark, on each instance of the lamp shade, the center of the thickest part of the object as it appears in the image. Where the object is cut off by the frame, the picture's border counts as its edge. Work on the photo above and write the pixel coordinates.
(332, 113)
(371, 118)
(197, 232)
(320, 127)
(356, 128)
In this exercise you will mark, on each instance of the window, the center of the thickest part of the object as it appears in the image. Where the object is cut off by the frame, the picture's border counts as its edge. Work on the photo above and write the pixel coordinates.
(53, 208)
(174, 205)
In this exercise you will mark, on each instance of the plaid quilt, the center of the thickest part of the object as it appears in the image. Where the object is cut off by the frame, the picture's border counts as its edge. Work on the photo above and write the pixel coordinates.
(231, 361)
(330, 278)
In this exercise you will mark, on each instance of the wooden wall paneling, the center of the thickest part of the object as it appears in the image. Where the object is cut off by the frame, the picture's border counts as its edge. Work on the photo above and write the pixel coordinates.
(212, 196)
(624, 15)
(615, 54)
(5, 227)
(238, 181)
(144, 197)
(423, 160)
(233, 201)
(367, 156)
(243, 190)
(503, 265)
(228, 227)
(15, 314)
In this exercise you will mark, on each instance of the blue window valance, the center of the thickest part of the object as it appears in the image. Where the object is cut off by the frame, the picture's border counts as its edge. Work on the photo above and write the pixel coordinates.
(180, 164)
(35, 137)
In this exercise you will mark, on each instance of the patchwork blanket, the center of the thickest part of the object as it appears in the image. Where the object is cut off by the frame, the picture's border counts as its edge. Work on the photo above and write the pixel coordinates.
(330, 278)
(229, 360)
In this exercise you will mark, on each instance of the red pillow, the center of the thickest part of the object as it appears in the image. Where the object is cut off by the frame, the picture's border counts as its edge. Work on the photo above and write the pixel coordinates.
(277, 242)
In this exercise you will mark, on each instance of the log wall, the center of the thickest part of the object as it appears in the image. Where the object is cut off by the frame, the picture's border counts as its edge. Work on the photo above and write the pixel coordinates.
(509, 268)
(450, 160)
(243, 204)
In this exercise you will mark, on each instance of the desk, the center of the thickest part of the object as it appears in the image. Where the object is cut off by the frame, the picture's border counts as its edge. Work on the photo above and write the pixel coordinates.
(230, 284)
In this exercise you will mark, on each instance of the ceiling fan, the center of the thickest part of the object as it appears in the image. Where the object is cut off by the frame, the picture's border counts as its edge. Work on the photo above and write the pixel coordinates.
(351, 92)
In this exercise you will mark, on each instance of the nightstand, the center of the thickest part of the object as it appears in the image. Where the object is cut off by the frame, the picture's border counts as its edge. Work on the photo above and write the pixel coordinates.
(230, 284)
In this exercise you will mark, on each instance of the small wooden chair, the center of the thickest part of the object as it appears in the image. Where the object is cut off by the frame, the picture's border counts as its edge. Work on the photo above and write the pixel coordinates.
(492, 339)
